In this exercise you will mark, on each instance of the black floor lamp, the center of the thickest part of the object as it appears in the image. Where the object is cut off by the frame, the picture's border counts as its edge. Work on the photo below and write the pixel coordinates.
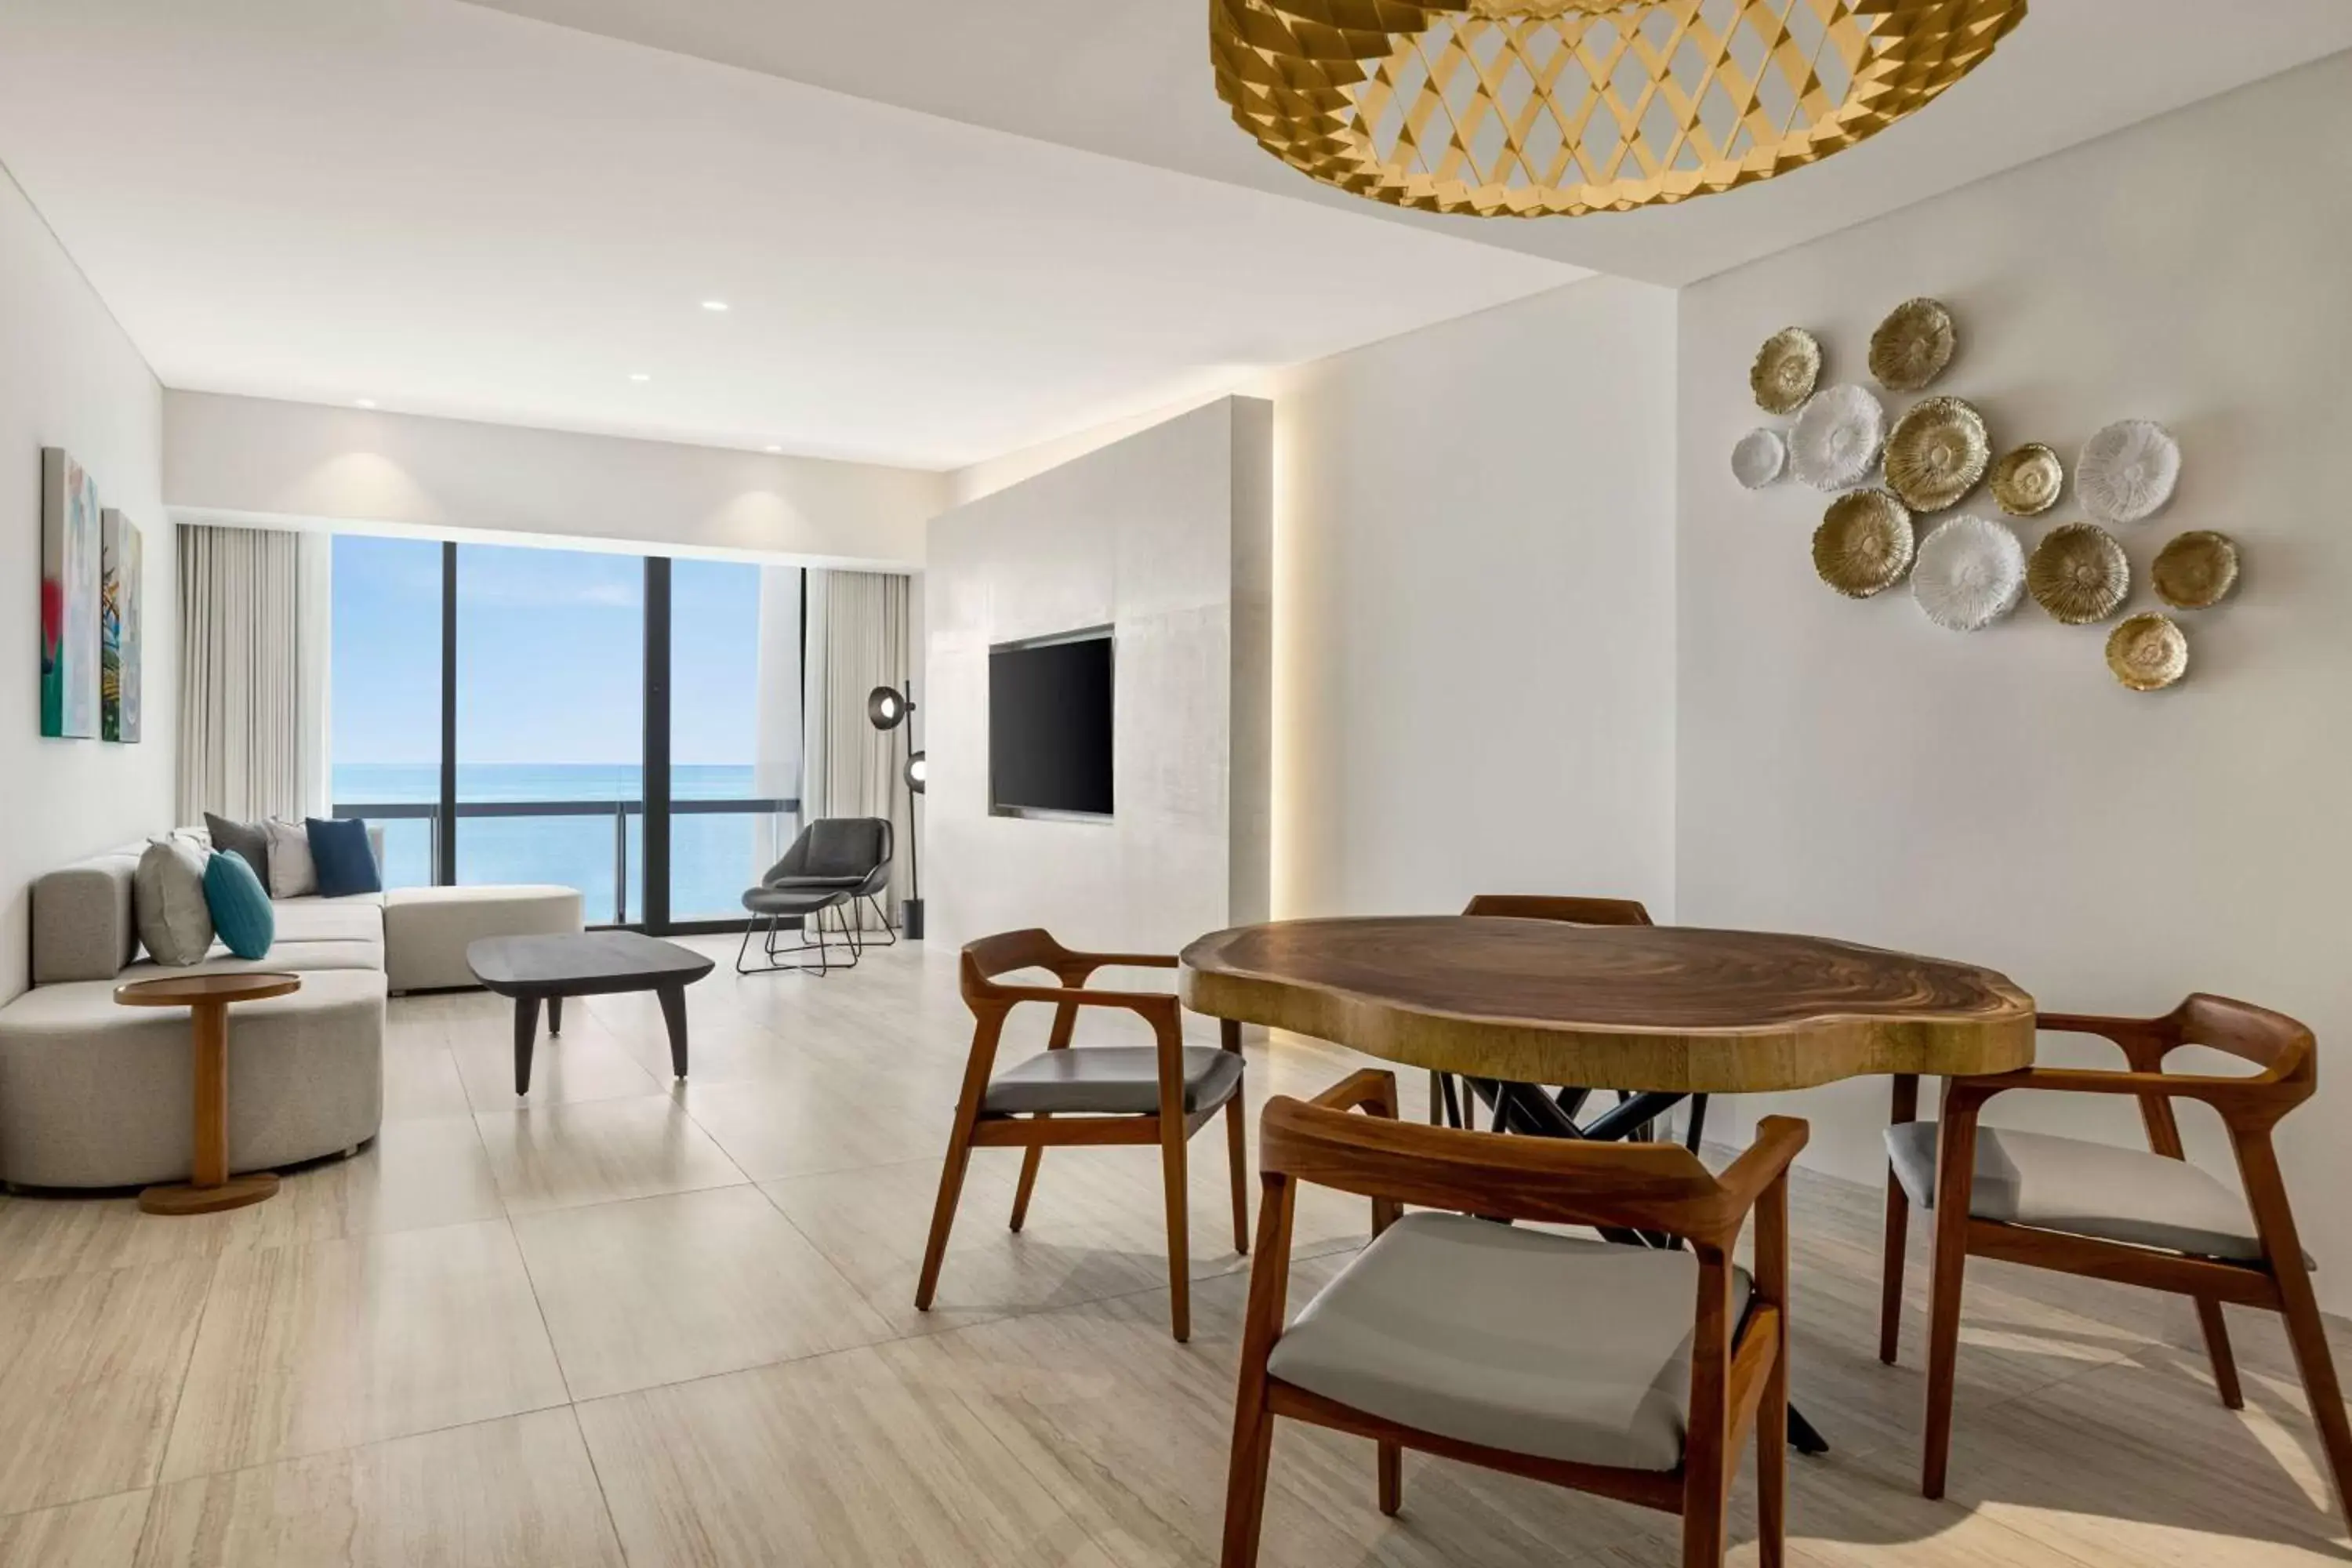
(888, 709)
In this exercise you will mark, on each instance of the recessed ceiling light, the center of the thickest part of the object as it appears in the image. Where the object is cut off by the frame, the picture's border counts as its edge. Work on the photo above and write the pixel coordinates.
(367, 403)
(720, 305)
(771, 448)
(639, 375)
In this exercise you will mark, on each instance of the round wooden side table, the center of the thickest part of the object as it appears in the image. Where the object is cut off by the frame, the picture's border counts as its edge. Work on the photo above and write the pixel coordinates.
(209, 1187)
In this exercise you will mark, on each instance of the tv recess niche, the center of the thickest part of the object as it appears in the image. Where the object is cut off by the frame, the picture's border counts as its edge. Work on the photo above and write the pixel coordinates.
(1049, 726)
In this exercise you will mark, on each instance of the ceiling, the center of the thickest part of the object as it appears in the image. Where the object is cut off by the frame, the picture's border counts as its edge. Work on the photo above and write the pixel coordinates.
(944, 231)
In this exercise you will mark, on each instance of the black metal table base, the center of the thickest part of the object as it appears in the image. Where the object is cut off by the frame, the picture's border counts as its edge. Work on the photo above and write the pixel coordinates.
(1535, 1111)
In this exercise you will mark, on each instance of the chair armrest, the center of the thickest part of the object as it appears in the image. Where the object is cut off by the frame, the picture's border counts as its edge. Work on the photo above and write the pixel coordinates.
(1368, 1089)
(2214, 1090)
(1779, 1140)
(1094, 960)
(1148, 1003)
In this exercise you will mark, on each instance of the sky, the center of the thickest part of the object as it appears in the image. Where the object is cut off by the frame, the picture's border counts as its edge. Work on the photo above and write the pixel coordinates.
(550, 649)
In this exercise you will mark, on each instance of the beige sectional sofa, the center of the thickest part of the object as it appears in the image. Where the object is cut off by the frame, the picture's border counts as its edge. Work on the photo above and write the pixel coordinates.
(94, 1094)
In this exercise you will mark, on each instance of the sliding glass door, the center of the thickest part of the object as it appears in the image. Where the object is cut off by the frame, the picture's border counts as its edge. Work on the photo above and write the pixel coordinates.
(626, 725)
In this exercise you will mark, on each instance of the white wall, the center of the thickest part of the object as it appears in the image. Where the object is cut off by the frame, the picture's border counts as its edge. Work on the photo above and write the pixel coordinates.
(68, 377)
(1474, 610)
(1851, 769)
(1161, 536)
(1473, 548)
(255, 461)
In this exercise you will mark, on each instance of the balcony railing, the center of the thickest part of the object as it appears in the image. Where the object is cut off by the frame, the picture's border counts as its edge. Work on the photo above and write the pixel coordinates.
(620, 811)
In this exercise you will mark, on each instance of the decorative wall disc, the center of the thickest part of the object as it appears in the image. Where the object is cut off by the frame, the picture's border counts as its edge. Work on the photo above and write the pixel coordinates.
(2027, 481)
(1936, 453)
(2127, 470)
(1837, 437)
(1537, 107)
(2079, 574)
(2148, 653)
(1969, 574)
(1864, 546)
(2196, 571)
(1912, 346)
(1786, 369)
(1758, 458)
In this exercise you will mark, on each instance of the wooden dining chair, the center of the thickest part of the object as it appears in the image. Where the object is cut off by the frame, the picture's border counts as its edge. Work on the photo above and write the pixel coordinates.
(1555, 1357)
(1071, 1094)
(1567, 909)
(2150, 1219)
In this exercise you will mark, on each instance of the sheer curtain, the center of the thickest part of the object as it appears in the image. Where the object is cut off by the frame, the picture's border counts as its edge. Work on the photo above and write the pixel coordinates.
(859, 637)
(252, 673)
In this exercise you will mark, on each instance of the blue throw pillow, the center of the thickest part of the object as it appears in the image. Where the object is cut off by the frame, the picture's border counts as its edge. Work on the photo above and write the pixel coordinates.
(239, 906)
(339, 847)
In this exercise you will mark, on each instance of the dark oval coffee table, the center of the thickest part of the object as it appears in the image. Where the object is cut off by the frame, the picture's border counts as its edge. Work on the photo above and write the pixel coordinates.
(536, 969)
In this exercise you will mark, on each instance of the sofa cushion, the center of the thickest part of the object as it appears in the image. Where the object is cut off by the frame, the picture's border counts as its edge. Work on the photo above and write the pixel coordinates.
(250, 839)
(240, 906)
(168, 897)
(294, 957)
(292, 873)
(359, 918)
(83, 924)
(427, 929)
(94, 1094)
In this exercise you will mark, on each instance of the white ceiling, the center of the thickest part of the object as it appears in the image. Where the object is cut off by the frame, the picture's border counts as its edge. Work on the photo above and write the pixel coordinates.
(453, 211)
(1131, 78)
(946, 230)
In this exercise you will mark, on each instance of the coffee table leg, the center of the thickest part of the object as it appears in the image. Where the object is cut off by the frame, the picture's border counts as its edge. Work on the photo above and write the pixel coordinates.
(555, 1015)
(673, 1007)
(209, 1187)
(526, 1034)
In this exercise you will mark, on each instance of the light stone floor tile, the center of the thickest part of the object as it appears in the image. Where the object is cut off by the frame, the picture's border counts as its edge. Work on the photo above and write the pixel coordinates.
(307, 1349)
(102, 1532)
(507, 1493)
(666, 1289)
(600, 1151)
(581, 1064)
(91, 1367)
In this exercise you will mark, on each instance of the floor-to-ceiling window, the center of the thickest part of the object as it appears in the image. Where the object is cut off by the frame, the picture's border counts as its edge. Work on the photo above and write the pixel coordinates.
(524, 759)
(384, 703)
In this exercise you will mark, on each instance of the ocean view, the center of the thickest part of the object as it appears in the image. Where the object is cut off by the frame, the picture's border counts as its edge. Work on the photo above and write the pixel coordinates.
(713, 856)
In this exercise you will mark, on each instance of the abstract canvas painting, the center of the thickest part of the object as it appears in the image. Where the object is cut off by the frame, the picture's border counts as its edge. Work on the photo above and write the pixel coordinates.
(120, 579)
(70, 565)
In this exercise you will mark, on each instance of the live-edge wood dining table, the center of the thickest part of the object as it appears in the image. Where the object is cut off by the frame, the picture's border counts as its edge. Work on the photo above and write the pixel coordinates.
(1663, 1013)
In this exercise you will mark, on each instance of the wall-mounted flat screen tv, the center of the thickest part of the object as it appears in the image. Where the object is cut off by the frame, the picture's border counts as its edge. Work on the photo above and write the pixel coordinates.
(1049, 725)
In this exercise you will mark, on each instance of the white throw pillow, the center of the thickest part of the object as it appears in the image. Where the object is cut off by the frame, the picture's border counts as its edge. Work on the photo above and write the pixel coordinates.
(168, 893)
(292, 873)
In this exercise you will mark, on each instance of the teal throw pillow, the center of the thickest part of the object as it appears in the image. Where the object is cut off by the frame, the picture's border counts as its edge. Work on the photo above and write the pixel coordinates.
(240, 906)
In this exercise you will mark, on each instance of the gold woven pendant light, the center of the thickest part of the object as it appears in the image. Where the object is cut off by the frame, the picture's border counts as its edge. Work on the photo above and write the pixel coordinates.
(1541, 108)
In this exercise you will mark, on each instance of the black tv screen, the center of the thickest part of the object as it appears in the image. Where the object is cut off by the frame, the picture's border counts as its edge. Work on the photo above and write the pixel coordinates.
(1049, 725)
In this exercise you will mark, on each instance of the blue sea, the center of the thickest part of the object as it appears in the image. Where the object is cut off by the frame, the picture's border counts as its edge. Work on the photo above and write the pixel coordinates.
(713, 856)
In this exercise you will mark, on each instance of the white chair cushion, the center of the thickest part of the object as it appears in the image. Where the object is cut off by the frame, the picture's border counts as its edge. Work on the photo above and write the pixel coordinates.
(2085, 1189)
(1521, 1339)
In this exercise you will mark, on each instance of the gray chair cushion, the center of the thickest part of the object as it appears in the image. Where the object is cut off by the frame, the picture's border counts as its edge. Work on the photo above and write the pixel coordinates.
(2085, 1189)
(174, 921)
(1110, 1080)
(795, 900)
(852, 853)
(1522, 1340)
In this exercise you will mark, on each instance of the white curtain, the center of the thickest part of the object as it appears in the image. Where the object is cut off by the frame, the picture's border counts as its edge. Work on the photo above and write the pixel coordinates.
(859, 637)
(252, 673)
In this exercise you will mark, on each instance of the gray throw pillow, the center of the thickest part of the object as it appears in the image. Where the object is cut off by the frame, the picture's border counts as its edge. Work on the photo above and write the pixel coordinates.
(168, 893)
(250, 839)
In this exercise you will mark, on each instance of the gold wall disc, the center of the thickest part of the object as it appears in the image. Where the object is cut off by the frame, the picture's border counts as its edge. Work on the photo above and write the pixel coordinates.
(2148, 653)
(2027, 481)
(1786, 370)
(2196, 571)
(1555, 108)
(2079, 574)
(1912, 346)
(1936, 453)
(1864, 546)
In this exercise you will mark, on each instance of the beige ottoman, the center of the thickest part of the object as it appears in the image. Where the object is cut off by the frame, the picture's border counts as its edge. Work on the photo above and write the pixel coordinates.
(427, 929)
